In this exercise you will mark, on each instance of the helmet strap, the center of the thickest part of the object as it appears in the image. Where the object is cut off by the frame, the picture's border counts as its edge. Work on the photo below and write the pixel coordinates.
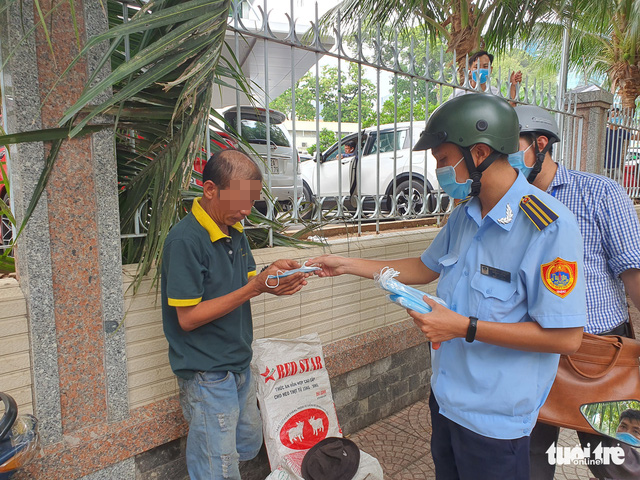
(475, 173)
(540, 154)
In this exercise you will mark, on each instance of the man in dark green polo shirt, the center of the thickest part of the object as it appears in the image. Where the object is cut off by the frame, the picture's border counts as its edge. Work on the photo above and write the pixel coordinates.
(208, 278)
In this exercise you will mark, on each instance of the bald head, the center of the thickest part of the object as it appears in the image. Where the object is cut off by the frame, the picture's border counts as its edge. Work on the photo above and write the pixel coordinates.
(228, 164)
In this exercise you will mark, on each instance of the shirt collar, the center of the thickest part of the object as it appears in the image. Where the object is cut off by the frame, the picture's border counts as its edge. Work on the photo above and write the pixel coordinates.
(561, 178)
(208, 224)
(500, 214)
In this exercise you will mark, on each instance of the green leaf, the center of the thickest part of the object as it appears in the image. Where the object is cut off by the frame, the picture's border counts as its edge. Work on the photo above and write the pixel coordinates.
(166, 45)
(7, 263)
(48, 134)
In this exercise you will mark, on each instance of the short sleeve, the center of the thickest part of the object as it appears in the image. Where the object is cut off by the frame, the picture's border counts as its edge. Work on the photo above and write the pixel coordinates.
(184, 273)
(438, 248)
(620, 229)
(553, 271)
(251, 263)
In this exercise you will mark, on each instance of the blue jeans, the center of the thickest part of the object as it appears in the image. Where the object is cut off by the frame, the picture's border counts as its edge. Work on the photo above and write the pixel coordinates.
(224, 423)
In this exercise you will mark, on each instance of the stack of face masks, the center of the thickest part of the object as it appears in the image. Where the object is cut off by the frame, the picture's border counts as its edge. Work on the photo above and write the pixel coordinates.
(404, 295)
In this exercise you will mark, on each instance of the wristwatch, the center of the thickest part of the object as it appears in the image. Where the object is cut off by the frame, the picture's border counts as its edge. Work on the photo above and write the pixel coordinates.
(471, 330)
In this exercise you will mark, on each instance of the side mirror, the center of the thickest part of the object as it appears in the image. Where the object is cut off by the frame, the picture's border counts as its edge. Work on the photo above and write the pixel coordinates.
(619, 420)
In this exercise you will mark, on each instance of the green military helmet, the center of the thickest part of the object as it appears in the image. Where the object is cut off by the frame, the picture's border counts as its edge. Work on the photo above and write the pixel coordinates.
(473, 118)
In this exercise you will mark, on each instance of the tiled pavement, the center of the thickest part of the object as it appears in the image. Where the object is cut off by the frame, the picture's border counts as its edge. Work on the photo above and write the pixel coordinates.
(401, 445)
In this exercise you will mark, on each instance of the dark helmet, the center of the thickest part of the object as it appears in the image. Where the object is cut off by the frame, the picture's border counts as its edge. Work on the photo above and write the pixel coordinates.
(537, 121)
(470, 119)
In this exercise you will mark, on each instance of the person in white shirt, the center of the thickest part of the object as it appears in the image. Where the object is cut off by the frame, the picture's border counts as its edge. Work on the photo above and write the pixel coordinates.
(480, 68)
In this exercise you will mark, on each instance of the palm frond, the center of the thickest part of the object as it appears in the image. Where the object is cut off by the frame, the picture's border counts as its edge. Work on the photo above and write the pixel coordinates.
(465, 26)
(162, 81)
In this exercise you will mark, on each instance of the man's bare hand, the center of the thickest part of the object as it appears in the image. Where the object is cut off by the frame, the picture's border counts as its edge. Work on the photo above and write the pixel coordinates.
(516, 77)
(441, 324)
(284, 285)
(331, 265)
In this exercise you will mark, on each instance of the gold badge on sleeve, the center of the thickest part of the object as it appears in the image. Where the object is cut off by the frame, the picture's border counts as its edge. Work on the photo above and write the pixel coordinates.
(559, 276)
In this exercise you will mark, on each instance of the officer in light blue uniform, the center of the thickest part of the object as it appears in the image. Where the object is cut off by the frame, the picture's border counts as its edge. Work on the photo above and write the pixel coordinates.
(509, 259)
(509, 263)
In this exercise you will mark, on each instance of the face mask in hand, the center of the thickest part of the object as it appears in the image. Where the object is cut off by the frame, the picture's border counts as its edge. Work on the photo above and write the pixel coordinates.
(447, 180)
(483, 72)
(282, 274)
(517, 161)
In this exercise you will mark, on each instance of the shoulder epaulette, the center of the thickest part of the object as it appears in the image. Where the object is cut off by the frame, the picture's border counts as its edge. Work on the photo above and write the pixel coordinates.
(541, 215)
(464, 200)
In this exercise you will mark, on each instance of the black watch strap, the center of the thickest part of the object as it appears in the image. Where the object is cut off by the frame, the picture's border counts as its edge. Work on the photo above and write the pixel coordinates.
(471, 330)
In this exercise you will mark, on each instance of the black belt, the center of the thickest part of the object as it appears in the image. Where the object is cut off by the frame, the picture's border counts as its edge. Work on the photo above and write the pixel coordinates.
(621, 330)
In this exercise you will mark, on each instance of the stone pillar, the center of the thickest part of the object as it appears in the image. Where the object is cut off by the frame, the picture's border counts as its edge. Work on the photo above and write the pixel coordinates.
(592, 106)
(68, 256)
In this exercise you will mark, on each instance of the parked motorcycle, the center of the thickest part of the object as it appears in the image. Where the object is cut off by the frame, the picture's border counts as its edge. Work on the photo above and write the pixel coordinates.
(19, 439)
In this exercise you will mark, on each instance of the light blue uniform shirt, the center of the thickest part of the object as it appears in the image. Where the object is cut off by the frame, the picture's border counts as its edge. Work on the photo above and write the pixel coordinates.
(611, 232)
(491, 390)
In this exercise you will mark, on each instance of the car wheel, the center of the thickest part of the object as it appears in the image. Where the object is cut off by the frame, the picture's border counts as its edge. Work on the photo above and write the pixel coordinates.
(308, 207)
(413, 191)
(5, 226)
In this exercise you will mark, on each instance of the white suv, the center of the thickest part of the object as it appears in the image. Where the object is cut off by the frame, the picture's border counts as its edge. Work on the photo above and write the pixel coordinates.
(397, 164)
(278, 157)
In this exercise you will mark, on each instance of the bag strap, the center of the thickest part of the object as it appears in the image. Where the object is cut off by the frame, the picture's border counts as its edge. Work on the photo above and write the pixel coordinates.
(617, 345)
(632, 332)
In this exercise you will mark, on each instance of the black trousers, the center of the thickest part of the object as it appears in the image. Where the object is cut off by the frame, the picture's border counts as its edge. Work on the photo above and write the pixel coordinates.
(543, 436)
(461, 454)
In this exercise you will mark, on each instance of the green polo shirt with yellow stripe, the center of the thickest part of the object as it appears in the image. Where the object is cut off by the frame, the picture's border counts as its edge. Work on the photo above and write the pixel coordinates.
(201, 263)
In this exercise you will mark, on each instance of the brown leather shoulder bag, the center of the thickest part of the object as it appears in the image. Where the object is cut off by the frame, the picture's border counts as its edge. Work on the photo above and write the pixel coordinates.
(605, 368)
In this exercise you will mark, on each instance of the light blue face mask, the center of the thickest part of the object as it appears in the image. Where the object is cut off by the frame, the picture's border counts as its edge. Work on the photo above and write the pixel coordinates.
(282, 274)
(484, 74)
(447, 179)
(517, 161)
(627, 438)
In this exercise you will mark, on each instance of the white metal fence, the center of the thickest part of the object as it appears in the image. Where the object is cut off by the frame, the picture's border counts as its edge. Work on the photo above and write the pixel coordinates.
(622, 150)
(384, 83)
(388, 181)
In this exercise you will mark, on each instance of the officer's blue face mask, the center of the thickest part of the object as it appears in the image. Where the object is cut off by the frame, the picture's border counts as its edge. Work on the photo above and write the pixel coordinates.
(483, 72)
(447, 180)
(517, 161)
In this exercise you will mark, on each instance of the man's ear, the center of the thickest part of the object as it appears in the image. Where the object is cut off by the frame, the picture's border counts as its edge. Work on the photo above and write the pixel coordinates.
(209, 190)
(542, 142)
(480, 152)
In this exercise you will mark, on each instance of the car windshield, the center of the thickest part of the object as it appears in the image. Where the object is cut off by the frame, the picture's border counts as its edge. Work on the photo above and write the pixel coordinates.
(386, 143)
(256, 132)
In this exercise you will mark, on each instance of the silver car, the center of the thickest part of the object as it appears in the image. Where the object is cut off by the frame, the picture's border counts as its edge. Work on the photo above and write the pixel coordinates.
(271, 143)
